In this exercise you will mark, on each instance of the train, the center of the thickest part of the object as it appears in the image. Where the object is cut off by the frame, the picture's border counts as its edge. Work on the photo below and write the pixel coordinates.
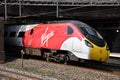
(61, 41)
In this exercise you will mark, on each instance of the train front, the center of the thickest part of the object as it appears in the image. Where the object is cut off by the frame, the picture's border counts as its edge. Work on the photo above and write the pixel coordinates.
(99, 50)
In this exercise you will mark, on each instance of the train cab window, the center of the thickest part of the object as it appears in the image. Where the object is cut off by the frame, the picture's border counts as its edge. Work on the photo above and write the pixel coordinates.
(21, 34)
(69, 30)
(31, 32)
(12, 34)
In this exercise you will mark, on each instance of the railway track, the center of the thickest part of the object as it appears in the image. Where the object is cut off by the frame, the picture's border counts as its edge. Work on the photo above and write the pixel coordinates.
(108, 67)
(15, 75)
(6, 77)
(112, 65)
(105, 71)
(113, 69)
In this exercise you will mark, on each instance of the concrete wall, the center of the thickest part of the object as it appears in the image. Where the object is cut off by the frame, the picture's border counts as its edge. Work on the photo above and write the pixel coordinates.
(2, 53)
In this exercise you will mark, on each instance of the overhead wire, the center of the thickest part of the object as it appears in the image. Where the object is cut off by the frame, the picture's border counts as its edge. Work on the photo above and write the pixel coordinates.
(59, 11)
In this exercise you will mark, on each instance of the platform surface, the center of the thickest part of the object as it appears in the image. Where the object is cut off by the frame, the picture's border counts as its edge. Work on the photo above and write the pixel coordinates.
(115, 55)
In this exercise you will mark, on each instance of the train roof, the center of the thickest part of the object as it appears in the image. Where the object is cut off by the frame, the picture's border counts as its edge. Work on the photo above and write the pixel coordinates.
(74, 22)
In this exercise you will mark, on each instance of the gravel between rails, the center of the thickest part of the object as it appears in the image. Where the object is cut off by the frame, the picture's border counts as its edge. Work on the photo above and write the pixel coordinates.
(24, 75)
(53, 71)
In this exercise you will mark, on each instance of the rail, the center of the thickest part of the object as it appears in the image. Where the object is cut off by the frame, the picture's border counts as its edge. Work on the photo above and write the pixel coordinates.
(15, 75)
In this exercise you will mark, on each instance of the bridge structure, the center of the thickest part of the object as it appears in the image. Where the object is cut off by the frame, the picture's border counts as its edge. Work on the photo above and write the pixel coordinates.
(61, 8)
(63, 2)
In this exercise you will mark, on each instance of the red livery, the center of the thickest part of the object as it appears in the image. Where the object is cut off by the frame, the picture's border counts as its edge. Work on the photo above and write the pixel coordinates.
(59, 40)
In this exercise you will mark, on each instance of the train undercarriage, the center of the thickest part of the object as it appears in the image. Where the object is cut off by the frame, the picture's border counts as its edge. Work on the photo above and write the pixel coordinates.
(58, 56)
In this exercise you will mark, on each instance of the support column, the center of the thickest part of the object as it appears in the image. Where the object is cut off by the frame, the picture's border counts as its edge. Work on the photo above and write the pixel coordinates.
(2, 52)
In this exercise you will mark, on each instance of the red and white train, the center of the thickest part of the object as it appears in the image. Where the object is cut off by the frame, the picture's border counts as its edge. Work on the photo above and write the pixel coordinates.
(59, 40)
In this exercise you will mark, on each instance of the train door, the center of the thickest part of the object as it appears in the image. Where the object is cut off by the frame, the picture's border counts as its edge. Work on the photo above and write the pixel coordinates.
(72, 43)
(29, 38)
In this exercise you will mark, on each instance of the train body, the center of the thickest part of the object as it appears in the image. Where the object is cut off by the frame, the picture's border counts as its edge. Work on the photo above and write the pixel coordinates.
(60, 41)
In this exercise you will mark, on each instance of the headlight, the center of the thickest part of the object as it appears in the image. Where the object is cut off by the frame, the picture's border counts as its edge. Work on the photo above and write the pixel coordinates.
(88, 44)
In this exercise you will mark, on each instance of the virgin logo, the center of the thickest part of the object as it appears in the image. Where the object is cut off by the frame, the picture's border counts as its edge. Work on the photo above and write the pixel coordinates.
(46, 36)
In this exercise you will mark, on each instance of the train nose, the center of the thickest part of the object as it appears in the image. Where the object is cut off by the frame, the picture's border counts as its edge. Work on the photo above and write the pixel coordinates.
(99, 53)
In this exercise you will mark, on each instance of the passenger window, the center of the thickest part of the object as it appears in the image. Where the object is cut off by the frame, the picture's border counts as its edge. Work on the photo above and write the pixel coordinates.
(21, 34)
(12, 34)
(69, 30)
